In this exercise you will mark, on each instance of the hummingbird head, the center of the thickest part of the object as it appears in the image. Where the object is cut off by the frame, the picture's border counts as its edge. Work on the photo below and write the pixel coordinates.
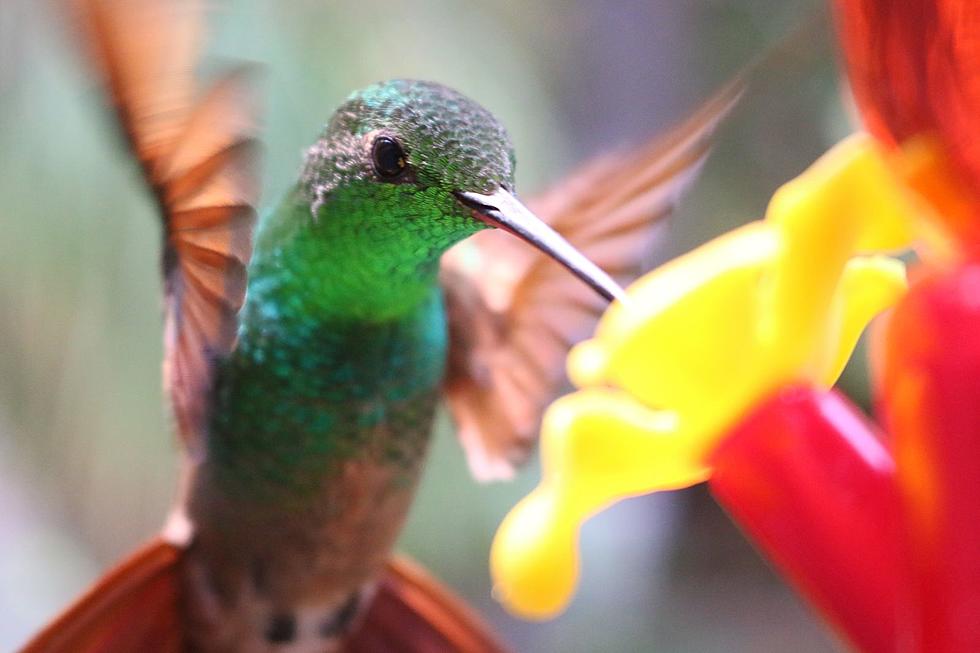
(414, 133)
(420, 166)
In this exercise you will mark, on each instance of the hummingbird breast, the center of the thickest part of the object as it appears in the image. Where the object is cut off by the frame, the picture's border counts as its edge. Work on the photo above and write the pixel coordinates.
(318, 435)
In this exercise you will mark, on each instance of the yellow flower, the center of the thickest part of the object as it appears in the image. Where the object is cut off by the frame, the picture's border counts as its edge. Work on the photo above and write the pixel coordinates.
(700, 341)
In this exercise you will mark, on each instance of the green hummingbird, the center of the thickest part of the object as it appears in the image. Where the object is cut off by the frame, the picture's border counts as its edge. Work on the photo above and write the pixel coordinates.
(305, 373)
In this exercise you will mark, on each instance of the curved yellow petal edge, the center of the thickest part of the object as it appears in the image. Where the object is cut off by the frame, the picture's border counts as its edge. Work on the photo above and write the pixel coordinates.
(698, 343)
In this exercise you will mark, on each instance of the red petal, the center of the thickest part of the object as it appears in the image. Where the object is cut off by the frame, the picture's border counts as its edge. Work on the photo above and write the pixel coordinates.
(931, 401)
(811, 483)
(914, 67)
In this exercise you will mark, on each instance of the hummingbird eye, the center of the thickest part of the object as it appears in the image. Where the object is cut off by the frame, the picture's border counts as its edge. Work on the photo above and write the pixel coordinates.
(389, 157)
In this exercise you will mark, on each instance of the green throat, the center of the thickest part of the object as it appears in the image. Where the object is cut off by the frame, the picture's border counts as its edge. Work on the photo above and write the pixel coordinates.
(342, 340)
(342, 343)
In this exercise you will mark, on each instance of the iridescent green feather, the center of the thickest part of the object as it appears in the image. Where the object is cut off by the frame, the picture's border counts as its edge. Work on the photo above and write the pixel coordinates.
(342, 343)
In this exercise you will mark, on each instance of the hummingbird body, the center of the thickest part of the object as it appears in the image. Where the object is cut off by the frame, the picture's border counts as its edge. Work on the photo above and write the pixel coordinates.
(320, 417)
(318, 437)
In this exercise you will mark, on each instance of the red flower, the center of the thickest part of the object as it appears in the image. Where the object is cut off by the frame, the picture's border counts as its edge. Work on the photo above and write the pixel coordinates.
(931, 405)
(914, 69)
(886, 542)
(810, 482)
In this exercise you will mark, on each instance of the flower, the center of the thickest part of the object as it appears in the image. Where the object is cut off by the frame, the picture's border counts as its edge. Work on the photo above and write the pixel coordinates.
(718, 367)
(914, 69)
(700, 342)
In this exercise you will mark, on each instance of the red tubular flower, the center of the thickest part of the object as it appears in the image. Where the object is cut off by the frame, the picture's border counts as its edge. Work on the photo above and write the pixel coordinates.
(889, 549)
(914, 66)
(891, 555)
(884, 539)
(811, 483)
(930, 403)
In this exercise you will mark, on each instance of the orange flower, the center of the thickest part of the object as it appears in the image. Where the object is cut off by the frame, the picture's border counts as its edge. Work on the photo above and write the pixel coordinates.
(914, 69)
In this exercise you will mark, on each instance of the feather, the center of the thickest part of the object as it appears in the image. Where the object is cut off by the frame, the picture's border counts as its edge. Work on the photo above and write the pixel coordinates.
(198, 155)
(514, 312)
(414, 613)
(135, 608)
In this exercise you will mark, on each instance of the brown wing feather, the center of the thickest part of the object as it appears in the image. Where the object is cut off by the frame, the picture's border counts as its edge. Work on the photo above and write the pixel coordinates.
(145, 51)
(514, 312)
(199, 159)
(414, 613)
(135, 608)
(131, 609)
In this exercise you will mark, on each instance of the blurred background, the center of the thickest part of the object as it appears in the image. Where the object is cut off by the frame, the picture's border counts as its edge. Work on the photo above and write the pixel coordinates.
(87, 461)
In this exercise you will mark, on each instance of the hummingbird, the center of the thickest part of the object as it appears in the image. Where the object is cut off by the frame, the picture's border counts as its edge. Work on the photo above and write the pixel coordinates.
(304, 365)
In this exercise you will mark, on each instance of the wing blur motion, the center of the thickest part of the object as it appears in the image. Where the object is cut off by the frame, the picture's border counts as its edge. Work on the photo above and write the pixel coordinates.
(131, 610)
(514, 312)
(198, 155)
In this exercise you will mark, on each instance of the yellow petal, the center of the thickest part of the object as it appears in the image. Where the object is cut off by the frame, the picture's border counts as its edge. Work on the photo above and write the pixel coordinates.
(871, 284)
(534, 558)
(699, 343)
(598, 446)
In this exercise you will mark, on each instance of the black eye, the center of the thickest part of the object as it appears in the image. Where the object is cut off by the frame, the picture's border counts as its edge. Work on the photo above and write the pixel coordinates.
(389, 157)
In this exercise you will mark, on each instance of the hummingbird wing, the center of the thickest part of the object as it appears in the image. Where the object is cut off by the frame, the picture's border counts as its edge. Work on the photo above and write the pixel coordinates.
(198, 156)
(514, 312)
(136, 607)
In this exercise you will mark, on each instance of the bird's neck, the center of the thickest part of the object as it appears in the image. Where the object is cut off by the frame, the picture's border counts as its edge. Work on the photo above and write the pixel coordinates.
(341, 347)
(356, 260)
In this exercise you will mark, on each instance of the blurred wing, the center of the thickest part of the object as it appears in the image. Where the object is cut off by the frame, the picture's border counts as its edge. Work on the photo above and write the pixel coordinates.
(198, 154)
(131, 609)
(514, 312)
(413, 613)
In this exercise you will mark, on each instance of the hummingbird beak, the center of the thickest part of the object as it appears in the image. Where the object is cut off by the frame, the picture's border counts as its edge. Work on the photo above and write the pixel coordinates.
(501, 209)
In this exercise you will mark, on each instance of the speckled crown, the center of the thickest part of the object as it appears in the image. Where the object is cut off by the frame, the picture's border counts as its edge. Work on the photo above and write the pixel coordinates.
(450, 141)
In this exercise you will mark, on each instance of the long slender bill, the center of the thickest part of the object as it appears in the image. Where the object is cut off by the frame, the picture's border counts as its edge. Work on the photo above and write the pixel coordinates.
(501, 209)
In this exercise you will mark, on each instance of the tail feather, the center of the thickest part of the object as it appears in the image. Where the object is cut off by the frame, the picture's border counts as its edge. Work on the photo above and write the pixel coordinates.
(414, 613)
(131, 608)
(136, 608)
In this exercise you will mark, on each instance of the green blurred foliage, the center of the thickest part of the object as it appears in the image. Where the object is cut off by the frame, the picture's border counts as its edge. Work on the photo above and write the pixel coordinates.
(87, 461)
